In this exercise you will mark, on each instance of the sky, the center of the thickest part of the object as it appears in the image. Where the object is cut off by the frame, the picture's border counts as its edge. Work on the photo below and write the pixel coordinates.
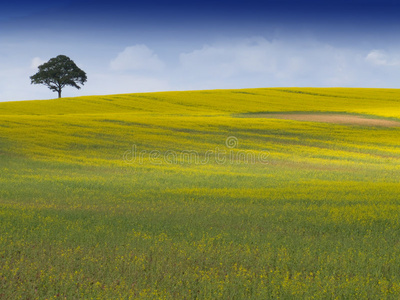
(146, 46)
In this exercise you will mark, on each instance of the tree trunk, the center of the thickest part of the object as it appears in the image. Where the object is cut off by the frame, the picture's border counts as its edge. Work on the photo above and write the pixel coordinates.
(59, 93)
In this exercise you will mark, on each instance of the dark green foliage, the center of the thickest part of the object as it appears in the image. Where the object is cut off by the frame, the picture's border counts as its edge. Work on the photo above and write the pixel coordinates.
(59, 72)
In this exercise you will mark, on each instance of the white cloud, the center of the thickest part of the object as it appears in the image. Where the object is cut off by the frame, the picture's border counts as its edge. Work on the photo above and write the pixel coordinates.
(381, 58)
(106, 83)
(138, 57)
(16, 85)
(36, 62)
(259, 62)
(253, 55)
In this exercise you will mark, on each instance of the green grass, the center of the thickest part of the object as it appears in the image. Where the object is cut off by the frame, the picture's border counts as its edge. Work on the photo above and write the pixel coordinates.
(320, 218)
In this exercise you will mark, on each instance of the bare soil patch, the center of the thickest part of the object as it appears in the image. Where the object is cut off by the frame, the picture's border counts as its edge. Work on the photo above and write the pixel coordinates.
(331, 118)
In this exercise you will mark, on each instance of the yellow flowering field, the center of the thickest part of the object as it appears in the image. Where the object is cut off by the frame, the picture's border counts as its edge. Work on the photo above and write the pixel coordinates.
(196, 195)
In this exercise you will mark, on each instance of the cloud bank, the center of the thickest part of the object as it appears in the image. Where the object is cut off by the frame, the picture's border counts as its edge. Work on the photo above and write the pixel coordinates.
(137, 58)
(260, 62)
(230, 63)
(381, 58)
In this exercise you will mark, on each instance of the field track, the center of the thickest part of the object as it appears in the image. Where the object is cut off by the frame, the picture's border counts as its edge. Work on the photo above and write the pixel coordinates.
(331, 118)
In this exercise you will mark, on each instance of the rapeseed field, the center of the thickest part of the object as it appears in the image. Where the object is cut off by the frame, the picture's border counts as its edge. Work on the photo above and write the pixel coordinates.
(188, 195)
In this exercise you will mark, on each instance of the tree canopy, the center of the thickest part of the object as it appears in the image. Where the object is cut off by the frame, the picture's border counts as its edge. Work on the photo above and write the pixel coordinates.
(59, 72)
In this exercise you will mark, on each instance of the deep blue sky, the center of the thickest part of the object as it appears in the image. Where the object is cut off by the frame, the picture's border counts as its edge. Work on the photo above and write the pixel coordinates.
(128, 46)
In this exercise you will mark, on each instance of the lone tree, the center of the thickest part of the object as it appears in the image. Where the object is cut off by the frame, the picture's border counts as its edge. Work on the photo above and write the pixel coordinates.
(59, 72)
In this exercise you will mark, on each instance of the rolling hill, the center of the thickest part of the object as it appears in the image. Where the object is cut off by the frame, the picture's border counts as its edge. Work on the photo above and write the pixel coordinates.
(251, 193)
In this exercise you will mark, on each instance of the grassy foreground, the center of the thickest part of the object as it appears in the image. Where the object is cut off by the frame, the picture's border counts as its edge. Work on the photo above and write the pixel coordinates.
(124, 196)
